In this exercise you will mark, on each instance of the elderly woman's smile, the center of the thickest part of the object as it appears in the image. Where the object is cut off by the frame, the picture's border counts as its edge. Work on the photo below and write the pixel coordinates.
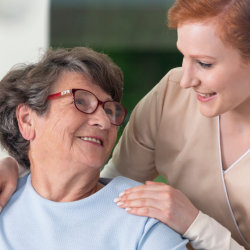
(94, 140)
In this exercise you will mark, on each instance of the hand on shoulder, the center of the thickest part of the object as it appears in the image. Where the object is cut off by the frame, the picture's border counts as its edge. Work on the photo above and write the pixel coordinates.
(8, 179)
(160, 201)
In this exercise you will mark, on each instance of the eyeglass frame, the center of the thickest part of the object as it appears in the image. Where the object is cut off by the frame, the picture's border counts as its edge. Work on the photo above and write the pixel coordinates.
(99, 102)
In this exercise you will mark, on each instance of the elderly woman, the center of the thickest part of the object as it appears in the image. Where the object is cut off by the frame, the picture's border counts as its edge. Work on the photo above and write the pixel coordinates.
(59, 118)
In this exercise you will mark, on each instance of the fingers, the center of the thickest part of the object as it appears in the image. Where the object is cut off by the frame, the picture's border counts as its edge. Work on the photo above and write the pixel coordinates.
(141, 194)
(146, 199)
(150, 207)
(154, 183)
(5, 194)
(148, 212)
(8, 179)
(138, 203)
(158, 190)
(149, 186)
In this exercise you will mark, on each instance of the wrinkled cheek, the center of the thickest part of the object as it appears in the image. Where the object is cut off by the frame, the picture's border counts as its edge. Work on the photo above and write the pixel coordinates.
(61, 142)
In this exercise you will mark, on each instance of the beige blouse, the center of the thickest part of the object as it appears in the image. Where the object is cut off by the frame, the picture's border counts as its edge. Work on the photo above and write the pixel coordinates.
(167, 135)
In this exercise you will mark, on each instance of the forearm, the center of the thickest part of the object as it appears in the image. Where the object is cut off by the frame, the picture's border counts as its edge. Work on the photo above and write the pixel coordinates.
(206, 233)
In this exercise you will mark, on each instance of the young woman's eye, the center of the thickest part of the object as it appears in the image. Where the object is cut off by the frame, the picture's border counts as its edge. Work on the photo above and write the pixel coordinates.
(205, 65)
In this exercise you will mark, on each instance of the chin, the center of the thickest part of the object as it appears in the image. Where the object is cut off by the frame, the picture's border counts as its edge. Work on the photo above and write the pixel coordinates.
(209, 113)
(96, 164)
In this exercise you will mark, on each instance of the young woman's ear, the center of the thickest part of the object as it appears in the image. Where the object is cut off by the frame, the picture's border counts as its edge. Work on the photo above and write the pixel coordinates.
(25, 121)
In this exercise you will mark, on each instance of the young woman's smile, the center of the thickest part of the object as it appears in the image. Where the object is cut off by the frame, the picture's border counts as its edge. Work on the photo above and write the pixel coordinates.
(205, 97)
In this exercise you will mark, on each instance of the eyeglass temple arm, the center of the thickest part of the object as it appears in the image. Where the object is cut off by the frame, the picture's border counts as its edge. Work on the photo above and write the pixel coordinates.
(65, 92)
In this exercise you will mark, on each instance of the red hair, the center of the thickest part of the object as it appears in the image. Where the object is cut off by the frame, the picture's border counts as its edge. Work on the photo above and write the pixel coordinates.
(231, 18)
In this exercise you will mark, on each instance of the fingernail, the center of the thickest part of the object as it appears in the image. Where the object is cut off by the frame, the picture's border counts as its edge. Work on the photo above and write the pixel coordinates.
(119, 203)
(116, 200)
(127, 208)
(121, 194)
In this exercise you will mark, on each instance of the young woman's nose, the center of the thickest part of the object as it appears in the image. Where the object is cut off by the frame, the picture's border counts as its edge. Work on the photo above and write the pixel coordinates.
(99, 118)
(189, 78)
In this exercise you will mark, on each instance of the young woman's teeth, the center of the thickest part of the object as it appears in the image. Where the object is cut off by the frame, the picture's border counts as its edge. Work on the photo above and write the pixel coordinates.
(206, 95)
(91, 139)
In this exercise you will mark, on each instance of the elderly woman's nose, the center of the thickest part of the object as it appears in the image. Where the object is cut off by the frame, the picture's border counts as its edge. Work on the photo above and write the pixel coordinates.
(99, 118)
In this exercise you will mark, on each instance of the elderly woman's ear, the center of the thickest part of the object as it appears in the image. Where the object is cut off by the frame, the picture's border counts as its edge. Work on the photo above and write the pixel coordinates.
(25, 120)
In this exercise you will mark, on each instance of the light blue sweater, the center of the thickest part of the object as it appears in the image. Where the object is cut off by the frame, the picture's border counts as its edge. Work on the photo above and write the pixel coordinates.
(30, 222)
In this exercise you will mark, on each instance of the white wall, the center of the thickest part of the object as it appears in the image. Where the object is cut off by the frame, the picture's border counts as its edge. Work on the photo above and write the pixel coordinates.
(24, 32)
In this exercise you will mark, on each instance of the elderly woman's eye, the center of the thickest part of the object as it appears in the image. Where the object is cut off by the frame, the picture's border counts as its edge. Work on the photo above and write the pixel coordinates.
(80, 101)
(109, 112)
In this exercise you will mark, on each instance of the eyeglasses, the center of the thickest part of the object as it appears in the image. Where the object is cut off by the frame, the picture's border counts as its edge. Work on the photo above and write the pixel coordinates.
(86, 102)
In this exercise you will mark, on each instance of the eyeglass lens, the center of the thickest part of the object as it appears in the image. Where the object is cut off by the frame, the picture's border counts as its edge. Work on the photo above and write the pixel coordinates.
(87, 103)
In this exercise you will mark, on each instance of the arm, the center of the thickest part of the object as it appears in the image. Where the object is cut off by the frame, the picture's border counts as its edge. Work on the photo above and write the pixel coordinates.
(8, 179)
(207, 233)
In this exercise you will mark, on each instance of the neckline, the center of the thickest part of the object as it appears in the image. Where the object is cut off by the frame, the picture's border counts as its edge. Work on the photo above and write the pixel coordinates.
(220, 151)
(222, 171)
(106, 182)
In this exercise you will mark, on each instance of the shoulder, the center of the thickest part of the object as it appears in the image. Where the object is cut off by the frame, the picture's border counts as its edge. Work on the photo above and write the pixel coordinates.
(173, 78)
(175, 74)
(165, 100)
(172, 99)
(122, 183)
(114, 186)
(167, 90)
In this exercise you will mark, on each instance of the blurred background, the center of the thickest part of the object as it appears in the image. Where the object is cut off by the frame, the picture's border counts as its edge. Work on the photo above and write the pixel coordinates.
(133, 33)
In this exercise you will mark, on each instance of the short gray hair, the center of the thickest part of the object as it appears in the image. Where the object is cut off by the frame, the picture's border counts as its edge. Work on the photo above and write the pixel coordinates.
(31, 85)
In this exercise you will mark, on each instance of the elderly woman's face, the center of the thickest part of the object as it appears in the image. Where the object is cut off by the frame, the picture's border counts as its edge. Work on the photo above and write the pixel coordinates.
(67, 134)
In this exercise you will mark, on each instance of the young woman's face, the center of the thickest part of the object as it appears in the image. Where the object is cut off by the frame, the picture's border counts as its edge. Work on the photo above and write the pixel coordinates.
(214, 70)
